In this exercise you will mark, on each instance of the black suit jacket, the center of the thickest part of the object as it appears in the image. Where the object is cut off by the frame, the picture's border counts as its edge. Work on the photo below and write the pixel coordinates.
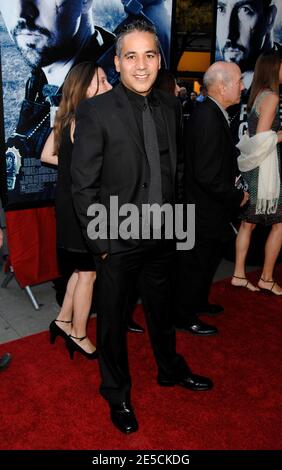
(210, 169)
(109, 158)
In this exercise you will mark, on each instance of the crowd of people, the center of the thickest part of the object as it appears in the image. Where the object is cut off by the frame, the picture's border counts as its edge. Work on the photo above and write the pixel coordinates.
(129, 142)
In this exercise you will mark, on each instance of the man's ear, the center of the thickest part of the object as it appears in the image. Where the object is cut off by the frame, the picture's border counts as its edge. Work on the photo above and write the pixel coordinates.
(86, 4)
(270, 17)
(160, 61)
(117, 65)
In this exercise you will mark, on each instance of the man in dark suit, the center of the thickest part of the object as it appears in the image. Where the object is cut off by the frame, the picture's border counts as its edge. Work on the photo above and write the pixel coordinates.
(112, 157)
(210, 171)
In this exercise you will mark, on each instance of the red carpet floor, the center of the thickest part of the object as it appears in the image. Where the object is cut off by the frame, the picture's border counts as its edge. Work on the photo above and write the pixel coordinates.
(50, 402)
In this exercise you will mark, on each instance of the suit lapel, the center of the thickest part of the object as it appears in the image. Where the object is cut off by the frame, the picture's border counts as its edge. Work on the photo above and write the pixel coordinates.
(221, 116)
(171, 132)
(169, 119)
(127, 117)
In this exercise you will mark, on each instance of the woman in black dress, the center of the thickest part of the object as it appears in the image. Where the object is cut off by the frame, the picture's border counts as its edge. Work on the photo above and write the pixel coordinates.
(85, 80)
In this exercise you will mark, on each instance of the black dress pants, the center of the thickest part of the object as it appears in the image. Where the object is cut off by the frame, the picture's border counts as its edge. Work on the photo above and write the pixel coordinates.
(148, 265)
(195, 270)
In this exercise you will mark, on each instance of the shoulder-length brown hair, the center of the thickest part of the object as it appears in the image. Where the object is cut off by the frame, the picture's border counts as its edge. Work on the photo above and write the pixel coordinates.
(74, 90)
(266, 76)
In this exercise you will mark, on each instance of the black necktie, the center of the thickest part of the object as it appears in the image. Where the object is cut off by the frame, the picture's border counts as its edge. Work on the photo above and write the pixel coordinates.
(153, 155)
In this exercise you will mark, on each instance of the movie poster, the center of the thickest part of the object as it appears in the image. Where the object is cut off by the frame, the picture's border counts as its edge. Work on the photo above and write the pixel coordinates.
(245, 29)
(36, 39)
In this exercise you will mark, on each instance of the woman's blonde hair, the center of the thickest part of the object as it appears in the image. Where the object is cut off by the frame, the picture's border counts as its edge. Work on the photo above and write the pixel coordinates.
(266, 76)
(74, 90)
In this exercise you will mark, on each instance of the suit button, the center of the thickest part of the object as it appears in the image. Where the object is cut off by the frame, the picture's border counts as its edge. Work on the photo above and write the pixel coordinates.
(145, 185)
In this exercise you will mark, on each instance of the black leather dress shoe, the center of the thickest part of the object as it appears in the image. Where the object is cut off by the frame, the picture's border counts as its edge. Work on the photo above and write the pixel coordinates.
(123, 418)
(134, 327)
(198, 328)
(211, 309)
(191, 381)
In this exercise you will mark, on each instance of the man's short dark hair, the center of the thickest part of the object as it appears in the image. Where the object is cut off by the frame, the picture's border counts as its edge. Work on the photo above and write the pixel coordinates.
(137, 25)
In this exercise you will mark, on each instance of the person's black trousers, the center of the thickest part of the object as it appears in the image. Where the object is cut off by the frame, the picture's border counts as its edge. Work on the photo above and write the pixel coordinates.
(195, 270)
(148, 265)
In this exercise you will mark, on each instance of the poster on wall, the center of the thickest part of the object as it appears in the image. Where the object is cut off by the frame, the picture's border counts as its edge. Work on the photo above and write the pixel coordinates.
(244, 30)
(41, 40)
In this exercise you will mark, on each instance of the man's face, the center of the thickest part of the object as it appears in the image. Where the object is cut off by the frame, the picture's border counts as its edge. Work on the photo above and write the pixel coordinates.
(42, 29)
(183, 93)
(241, 29)
(234, 87)
(139, 62)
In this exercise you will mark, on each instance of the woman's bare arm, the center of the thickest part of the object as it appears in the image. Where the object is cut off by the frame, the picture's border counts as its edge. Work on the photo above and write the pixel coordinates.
(47, 155)
(267, 112)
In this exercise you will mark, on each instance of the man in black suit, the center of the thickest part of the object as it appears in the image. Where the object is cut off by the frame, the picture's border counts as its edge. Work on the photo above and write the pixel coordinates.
(210, 171)
(112, 157)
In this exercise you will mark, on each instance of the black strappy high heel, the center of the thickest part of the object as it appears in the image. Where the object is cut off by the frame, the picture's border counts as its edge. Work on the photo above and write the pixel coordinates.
(247, 285)
(269, 291)
(55, 330)
(243, 279)
(72, 347)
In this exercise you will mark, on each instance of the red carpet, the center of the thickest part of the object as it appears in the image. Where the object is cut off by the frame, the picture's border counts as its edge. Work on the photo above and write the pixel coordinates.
(50, 402)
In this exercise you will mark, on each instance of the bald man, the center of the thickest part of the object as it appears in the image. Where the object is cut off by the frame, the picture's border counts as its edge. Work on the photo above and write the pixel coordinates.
(209, 183)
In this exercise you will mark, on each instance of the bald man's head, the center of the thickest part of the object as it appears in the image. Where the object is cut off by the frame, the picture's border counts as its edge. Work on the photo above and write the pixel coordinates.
(219, 72)
(223, 82)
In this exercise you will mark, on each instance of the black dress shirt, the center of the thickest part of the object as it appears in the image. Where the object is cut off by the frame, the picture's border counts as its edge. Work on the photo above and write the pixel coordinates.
(138, 102)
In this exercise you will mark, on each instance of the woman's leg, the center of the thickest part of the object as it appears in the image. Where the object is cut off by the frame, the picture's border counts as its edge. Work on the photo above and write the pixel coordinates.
(272, 250)
(66, 311)
(81, 308)
(242, 246)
